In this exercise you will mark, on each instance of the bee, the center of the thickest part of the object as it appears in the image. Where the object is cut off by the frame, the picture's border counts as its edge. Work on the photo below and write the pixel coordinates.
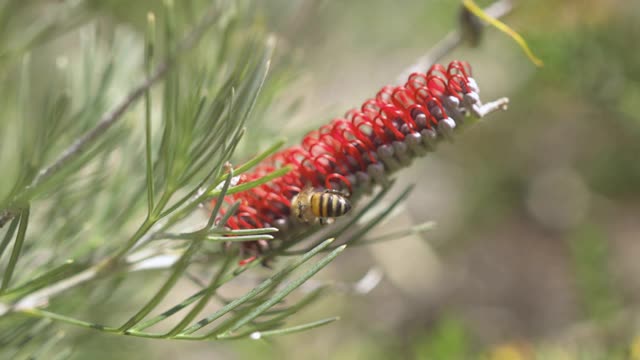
(311, 205)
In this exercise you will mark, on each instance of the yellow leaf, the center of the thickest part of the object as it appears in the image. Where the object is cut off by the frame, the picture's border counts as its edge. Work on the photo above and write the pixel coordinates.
(477, 11)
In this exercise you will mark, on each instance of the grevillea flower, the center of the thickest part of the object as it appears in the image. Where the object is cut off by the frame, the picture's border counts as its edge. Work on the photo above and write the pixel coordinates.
(361, 150)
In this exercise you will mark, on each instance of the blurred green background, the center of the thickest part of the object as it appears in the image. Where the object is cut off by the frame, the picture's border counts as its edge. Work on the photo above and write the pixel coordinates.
(536, 253)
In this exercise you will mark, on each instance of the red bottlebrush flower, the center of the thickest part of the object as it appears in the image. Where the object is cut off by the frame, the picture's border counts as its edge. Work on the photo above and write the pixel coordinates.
(357, 152)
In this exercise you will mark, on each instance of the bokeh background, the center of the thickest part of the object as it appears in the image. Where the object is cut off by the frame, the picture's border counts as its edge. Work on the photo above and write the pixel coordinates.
(536, 253)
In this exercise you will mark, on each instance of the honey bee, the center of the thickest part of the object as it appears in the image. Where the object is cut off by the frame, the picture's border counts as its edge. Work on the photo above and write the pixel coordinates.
(311, 205)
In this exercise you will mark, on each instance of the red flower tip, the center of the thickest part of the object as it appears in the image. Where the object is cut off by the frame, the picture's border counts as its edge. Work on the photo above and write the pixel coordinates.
(248, 260)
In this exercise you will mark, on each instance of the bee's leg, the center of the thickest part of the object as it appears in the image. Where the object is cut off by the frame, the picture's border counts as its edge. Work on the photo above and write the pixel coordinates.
(226, 247)
(326, 221)
(337, 192)
(264, 246)
(302, 210)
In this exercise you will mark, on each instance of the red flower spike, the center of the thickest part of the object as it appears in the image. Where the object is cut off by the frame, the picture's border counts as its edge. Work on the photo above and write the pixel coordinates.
(363, 148)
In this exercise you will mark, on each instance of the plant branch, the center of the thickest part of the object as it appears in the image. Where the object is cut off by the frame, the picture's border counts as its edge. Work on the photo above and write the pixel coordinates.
(40, 298)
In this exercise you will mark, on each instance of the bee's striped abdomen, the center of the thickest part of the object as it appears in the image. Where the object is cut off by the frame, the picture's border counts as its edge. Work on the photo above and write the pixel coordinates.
(329, 204)
(316, 206)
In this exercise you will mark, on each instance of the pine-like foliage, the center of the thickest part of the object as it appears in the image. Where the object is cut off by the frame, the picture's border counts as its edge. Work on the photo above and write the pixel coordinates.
(111, 139)
(104, 154)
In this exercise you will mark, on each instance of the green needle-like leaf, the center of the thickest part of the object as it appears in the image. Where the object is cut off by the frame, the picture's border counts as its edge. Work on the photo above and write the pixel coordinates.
(66, 319)
(15, 252)
(45, 279)
(417, 229)
(280, 295)
(283, 313)
(257, 159)
(353, 239)
(294, 329)
(9, 235)
(46, 348)
(213, 285)
(177, 272)
(243, 238)
(150, 42)
(255, 183)
(239, 232)
(274, 279)
(193, 298)
(220, 200)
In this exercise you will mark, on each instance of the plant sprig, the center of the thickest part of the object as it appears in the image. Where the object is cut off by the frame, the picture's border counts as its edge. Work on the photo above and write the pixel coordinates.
(203, 118)
(92, 203)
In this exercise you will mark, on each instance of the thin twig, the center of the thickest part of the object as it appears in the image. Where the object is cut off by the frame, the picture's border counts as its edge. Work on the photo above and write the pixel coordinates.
(450, 42)
(41, 297)
(143, 260)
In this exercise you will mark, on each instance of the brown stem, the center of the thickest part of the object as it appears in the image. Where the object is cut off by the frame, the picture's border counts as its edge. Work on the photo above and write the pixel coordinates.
(450, 42)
